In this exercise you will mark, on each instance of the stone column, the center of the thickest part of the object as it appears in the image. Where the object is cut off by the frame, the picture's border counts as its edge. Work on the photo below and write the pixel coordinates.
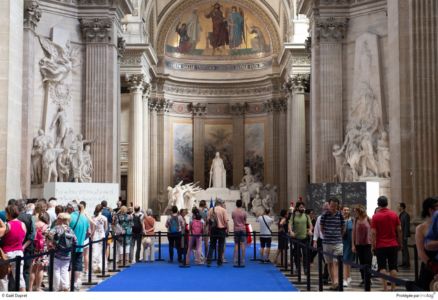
(101, 96)
(199, 111)
(326, 110)
(135, 152)
(270, 129)
(11, 86)
(297, 173)
(282, 192)
(32, 15)
(153, 154)
(146, 152)
(238, 111)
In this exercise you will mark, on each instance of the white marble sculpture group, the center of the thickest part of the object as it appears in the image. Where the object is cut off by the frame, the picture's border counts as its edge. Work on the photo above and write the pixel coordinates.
(182, 196)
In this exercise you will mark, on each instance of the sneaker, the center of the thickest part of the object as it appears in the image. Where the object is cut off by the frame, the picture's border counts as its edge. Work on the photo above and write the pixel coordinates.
(345, 283)
(349, 280)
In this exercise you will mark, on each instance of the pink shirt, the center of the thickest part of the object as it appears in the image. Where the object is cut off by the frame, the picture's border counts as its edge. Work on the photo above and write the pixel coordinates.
(221, 214)
(363, 232)
(239, 219)
(13, 240)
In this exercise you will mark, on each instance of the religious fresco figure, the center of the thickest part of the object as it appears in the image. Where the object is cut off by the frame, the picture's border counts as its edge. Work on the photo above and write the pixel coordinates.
(194, 28)
(219, 36)
(236, 27)
(185, 44)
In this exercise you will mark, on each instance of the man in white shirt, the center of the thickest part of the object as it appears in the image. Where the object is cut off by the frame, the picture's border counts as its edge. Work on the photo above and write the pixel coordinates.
(265, 235)
(51, 210)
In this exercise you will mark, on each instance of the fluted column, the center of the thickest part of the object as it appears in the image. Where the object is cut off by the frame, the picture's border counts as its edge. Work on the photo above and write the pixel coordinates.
(135, 152)
(102, 96)
(146, 144)
(153, 154)
(238, 111)
(32, 15)
(282, 113)
(297, 174)
(199, 111)
(326, 109)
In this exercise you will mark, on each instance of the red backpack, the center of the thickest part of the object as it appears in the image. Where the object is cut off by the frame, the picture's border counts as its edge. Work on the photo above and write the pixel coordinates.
(197, 227)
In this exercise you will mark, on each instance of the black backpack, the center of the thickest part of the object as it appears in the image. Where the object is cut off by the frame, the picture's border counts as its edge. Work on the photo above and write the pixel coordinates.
(137, 228)
(27, 220)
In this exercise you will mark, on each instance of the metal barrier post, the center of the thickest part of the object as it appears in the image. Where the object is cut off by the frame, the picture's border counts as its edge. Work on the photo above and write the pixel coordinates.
(298, 260)
(254, 236)
(291, 258)
(185, 240)
(73, 268)
(90, 263)
(239, 256)
(416, 267)
(18, 260)
(320, 271)
(114, 255)
(340, 273)
(159, 247)
(124, 252)
(51, 268)
(308, 253)
(104, 245)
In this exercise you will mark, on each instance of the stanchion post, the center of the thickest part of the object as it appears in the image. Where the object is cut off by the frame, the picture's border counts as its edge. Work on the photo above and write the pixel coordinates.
(124, 251)
(308, 253)
(254, 236)
(297, 257)
(416, 267)
(115, 254)
(90, 263)
(159, 247)
(239, 256)
(17, 270)
(320, 271)
(73, 268)
(104, 245)
(51, 268)
(340, 273)
(184, 249)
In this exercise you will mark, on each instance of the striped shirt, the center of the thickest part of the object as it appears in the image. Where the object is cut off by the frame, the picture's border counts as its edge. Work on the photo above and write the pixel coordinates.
(332, 227)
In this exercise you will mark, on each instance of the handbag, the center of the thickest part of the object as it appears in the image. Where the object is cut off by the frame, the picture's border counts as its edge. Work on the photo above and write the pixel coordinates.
(5, 266)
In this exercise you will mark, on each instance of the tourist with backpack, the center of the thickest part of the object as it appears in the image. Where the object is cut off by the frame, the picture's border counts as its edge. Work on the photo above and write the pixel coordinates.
(195, 239)
(62, 238)
(40, 246)
(137, 234)
(175, 224)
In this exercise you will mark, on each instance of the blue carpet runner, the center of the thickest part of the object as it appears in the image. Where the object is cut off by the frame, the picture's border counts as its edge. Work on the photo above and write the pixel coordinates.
(169, 277)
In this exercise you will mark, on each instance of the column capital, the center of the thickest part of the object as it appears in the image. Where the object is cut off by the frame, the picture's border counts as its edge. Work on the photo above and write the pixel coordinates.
(136, 83)
(268, 106)
(160, 105)
(238, 109)
(298, 83)
(331, 29)
(32, 13)
(280, 104)
(96, 30)
(198, 109)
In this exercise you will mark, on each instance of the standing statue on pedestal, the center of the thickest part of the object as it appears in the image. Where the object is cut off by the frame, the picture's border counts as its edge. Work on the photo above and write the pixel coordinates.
(50, 156)
(39, 145)
(61, 122)
(383, 155)
(87, 165)
(367, 155)
(76, 150)
(64, 165)
(218, 173)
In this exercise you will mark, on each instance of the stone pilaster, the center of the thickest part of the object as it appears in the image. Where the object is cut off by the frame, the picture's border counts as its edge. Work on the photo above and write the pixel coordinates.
(326, 93)
(271, 142)
(238, 111)
(102, 96)
(135, 155)
(153, 154)
(297, 171)
(32, 15)
(11, 86)
(199, 111)
(281, 110)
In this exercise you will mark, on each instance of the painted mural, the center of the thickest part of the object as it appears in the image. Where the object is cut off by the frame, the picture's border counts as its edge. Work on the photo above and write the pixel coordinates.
(182, 164)
(219, 138)
(222, 28)
(255, 148)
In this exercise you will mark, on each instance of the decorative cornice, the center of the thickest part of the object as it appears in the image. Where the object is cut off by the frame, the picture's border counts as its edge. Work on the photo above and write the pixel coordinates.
(96, 30)
(198, 109)
(211, 91)
(238, 109)
(121, 47)
(32, 13)
(331, 29)
(268, 106)
(335, 2)
(160, 105)
(300, 60)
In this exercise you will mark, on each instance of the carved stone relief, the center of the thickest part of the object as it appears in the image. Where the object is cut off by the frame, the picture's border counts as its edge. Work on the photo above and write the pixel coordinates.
(331, 29)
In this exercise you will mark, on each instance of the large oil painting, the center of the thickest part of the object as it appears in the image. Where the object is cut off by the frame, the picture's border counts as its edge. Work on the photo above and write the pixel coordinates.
(182, 164)
(220, 28)
(219, 138)
(255, 148)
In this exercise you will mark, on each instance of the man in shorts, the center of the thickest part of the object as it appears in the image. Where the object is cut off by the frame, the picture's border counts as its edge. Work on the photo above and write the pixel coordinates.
(239, 219)
(265, 222)
(332, 227)
(386, 239)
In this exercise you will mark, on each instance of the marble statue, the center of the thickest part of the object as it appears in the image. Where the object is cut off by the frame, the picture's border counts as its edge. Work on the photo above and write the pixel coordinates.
(50, 156)
(162, 201)
(218, 173)
(77, 150)
(267, 202)
(249, 184)
(62, 126)
(182, 196)
(59, 60)
(383, 155)
(64, 165)
(245, 196)
(368, 162)
(257, 205)
(39, 145)
(87, 165)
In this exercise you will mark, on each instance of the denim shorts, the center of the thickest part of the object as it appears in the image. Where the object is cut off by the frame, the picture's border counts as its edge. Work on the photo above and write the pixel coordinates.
(240, 236)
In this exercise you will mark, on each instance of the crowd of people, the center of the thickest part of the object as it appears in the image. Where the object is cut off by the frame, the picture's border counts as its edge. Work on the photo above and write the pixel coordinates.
(29, 228)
